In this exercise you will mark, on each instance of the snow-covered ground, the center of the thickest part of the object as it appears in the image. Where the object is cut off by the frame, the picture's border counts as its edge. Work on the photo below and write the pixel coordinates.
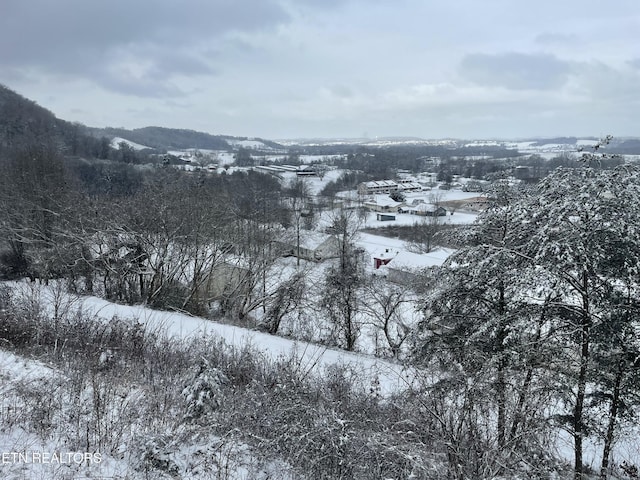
(316, 184)
(25, 455)
(247, 143)
(115, 143)
(443, 195)
(392, 376)
(625, 450)
(20, 369)
(33, 394)
(459, 218)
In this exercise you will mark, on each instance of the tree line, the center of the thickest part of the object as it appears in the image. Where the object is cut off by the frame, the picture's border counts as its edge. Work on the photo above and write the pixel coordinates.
(529, 329)
(532, 326)
(132, 228)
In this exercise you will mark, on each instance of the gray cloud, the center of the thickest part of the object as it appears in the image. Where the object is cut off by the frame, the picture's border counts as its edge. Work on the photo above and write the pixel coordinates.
(90, 39)
(341, 91)
(516, 71)
(183, 63)
(551, 39)
(615, 88)
(146, 86)
(635, 63)
(78, 23)
(320, 4)
(329, 67)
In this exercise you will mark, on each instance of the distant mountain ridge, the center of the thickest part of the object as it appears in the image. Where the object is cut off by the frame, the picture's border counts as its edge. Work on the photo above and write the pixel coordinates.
(162, 138)
(617, 146)
(24, 122)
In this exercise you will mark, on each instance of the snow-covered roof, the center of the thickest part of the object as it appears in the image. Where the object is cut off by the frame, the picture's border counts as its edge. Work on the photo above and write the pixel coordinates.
(403, 260)
(410, 186)
(268, 168)
(312, 240)
(424, 207)
(381, 183)
(386, 254)
(382, 201)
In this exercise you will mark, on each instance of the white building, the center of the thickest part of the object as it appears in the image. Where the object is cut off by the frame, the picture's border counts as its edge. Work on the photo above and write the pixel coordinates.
(377, 187)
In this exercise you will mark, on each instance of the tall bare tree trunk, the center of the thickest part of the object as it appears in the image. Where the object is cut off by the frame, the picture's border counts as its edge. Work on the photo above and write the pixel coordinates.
(578, 412)
(613, 415)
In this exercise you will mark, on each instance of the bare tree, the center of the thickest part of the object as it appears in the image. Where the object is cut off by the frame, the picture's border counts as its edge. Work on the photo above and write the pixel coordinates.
(430, 224)
(297, 198)
(344, 280)
(285, 299)
(382, 303)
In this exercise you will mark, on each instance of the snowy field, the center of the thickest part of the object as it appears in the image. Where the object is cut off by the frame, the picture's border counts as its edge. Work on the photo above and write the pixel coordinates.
(247, 143)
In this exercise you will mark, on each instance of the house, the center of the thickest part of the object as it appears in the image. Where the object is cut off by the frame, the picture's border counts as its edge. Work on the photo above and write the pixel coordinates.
(409, 185)
(382, 204)
(378, 187)
(404, 267)
(383, 258)
(305, 171)
(314, 246)
(230, 277)
(414, 201)
(424, 210)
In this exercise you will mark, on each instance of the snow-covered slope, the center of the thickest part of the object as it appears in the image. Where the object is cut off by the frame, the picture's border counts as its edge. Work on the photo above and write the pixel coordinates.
(115, 143)
(391, 376)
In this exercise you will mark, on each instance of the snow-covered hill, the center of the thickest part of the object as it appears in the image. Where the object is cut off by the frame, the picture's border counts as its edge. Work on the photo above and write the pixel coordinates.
(116, 141)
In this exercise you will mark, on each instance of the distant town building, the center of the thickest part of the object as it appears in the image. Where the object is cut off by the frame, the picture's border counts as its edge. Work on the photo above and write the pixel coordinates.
(383, 258)
(314, 246)
(424, 210)
(378, 186)
(389, 186)
(409, 186)
(403, 267)
(382, 204)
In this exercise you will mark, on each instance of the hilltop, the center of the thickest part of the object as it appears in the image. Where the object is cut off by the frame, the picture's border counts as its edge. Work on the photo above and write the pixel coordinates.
(164, 139)
(23, 122)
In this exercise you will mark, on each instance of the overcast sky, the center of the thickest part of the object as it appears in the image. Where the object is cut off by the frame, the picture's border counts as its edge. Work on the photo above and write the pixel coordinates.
(331, 68)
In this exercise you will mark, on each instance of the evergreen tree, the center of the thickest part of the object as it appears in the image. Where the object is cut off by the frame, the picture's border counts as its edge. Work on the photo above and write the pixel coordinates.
(543, 298)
